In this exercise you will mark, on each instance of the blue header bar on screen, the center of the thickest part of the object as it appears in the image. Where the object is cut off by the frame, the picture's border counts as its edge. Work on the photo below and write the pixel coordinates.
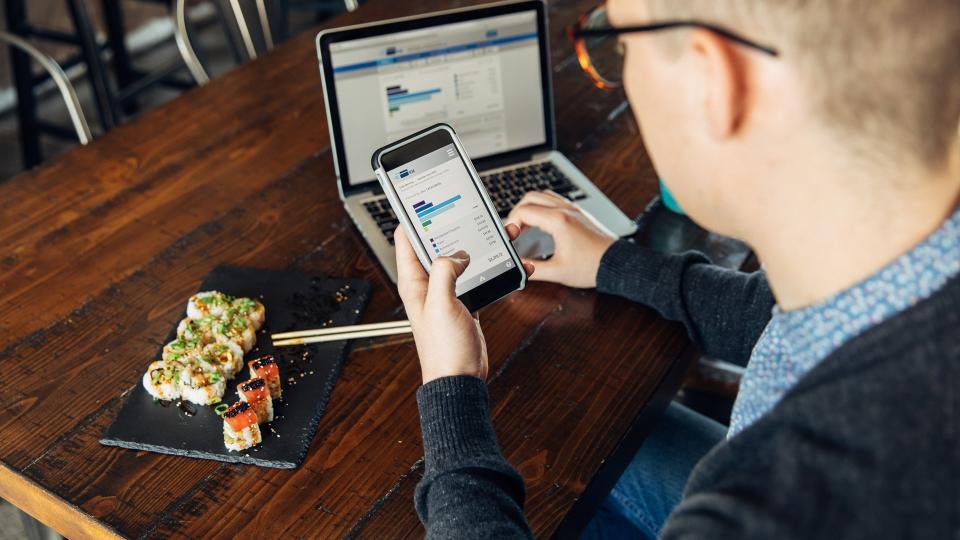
(394, 59)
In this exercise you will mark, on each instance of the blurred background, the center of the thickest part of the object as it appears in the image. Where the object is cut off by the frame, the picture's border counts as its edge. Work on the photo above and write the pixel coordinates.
(150, 71)
(156, 73)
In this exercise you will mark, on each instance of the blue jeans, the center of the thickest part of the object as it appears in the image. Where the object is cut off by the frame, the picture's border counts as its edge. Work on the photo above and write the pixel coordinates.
(652, 485)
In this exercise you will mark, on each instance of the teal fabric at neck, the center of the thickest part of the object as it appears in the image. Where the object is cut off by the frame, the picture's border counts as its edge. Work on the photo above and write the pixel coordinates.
(794, 342)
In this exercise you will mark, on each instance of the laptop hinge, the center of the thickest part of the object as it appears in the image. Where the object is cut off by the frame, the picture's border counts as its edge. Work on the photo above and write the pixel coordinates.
(371, 188)
(503, 160)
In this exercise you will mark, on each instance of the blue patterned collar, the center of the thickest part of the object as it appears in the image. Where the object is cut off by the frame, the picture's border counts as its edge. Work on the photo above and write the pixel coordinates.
(794, 342)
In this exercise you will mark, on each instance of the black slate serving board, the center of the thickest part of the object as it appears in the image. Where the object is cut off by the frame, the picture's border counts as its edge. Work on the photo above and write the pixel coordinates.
(293, 301)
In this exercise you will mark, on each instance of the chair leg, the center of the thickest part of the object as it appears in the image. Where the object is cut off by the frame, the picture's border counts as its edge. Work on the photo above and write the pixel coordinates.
(225, 14)
(23, 80)
(117, 39)
(96, 72)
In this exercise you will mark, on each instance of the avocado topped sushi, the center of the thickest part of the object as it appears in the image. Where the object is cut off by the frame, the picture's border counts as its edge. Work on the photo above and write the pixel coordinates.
(208, 303)
(162, 380)
(202, 382)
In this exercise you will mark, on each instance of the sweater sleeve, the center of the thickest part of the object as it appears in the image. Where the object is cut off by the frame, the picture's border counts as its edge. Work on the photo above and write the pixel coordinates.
(724, 311)
(468, 488)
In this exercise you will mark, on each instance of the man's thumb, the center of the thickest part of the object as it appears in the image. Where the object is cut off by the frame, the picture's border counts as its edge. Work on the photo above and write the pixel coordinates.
(444, 273)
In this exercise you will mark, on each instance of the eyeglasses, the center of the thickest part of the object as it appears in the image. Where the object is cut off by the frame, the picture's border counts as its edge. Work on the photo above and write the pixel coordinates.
(600, 53)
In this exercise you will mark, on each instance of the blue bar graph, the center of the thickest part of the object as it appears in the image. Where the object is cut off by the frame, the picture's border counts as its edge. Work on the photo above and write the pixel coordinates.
(437, 211)
(422, 208)
(425, 212)
(405, 97)
(397, 96)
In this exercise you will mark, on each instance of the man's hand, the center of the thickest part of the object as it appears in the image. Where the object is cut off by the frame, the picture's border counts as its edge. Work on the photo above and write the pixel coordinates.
(579, 244)
(449, 339)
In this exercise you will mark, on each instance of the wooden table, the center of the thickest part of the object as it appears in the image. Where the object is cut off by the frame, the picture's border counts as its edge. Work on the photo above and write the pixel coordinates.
(100, 248)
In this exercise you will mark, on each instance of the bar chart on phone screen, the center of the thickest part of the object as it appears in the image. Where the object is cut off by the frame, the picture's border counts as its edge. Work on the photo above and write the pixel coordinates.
(447, 211)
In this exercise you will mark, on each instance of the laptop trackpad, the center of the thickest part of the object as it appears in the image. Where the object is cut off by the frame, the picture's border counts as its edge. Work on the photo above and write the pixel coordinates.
(534, 244)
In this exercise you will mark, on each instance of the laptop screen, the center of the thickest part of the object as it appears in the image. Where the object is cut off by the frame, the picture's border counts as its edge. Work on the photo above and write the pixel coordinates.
(481, 76)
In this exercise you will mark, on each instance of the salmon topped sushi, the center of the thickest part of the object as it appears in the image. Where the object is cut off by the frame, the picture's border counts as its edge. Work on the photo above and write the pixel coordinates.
(256, 393)
(266, 368)
(227, 356)
(237, 329)
(240, 429)
(202, 382)
(162, 380)
(251, 309)
(207, 304)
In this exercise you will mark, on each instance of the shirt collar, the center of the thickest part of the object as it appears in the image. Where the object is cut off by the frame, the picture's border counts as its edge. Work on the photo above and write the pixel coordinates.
(908, 279)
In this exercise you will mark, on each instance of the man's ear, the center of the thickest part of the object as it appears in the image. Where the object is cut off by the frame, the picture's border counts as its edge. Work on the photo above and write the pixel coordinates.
(722, 77)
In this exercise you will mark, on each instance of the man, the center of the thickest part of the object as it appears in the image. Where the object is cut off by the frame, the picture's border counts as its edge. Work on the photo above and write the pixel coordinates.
(836, 156)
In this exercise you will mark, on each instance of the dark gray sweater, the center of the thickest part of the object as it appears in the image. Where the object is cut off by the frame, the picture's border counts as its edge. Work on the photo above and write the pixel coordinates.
(865, 445)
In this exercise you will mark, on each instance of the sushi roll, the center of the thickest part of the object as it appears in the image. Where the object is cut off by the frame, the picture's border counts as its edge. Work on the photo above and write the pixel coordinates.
(240, 429)
(256, 393)
(252, 309)
(227, 356)
(202, 382)
(162, 380)
(200, 330)
(207, 304)
(181, 350)
(266, 368)
(237, 329)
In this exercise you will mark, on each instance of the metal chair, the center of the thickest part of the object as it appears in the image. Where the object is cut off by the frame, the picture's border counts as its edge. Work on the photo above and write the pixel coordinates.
(245, 29)
(189, 54)
(60, 79)
(182, 38)
(111, 100)
(181, 35)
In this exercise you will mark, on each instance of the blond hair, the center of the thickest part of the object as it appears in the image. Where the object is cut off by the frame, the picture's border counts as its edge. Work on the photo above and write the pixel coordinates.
(883, 74)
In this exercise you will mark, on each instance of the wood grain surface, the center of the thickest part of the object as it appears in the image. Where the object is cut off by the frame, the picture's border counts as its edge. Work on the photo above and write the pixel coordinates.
(100, 248)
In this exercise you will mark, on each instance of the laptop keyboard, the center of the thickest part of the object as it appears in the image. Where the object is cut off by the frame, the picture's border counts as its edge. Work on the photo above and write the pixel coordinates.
(506, 188)
(380, 211)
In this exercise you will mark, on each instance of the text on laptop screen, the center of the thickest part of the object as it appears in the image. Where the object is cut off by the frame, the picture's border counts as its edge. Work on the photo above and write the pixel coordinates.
(482, 77)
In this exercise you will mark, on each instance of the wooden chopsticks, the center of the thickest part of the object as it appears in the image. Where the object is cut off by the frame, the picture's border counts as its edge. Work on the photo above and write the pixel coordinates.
(357, 331)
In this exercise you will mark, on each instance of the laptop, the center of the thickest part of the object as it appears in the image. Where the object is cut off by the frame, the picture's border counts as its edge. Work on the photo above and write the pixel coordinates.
(484, 70)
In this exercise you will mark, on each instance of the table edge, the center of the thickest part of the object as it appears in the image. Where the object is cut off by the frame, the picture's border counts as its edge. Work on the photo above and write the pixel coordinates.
(48, 508)
(596, 490)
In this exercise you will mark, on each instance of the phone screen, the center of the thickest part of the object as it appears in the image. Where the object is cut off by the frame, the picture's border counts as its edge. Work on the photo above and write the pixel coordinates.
(448, 214)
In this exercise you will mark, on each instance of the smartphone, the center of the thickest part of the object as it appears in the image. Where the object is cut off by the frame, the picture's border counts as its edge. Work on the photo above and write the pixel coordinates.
(443, 208)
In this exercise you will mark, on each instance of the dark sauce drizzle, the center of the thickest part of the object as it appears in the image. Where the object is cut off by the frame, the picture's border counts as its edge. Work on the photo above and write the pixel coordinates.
(186, 408)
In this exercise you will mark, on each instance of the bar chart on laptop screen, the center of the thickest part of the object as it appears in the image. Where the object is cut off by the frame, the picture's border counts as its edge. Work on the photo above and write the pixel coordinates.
(463, 89)
(398, 96)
